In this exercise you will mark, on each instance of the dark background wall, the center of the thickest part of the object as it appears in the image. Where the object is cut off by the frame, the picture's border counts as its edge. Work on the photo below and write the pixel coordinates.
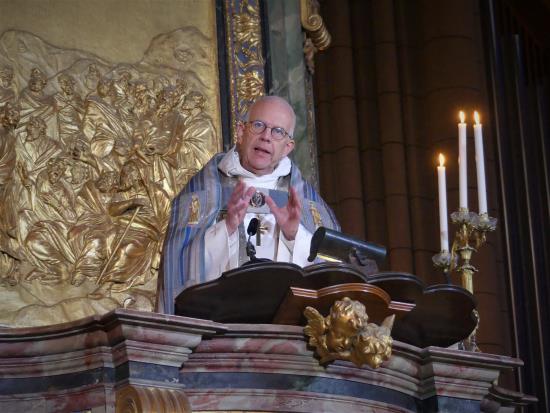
(387, 95)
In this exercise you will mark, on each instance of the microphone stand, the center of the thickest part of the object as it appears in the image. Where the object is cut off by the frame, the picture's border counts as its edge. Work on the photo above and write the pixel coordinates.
(250, 249)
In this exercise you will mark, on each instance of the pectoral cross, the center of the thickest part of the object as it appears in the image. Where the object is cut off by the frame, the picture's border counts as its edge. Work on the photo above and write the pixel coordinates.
(262, 229)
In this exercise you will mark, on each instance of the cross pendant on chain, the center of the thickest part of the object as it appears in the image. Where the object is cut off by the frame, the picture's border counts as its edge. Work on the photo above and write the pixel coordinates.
(262, 229)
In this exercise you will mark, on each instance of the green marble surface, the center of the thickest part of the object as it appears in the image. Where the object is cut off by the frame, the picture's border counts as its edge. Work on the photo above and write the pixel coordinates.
(288, 71)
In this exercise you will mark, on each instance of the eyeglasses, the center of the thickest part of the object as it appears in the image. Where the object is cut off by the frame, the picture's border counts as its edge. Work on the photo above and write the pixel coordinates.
(258, 126)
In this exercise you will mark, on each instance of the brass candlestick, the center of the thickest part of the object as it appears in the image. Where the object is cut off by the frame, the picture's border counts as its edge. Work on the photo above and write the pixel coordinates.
(472, 228)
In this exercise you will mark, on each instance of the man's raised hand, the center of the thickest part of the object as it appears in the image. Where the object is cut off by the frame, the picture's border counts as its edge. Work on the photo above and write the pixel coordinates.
(237, 205)
(287, 217)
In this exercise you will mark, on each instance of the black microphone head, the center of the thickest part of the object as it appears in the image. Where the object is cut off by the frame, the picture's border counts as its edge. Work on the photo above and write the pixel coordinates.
(253, 226)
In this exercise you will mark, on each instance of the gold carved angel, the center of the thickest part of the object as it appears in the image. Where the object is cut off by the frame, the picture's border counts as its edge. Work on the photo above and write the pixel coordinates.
(346, 334)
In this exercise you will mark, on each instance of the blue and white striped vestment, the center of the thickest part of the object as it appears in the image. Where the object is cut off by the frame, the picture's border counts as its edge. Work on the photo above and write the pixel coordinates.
(183, 255)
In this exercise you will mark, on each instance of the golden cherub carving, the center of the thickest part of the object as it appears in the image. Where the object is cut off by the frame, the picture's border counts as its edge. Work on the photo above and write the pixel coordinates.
(346, 334)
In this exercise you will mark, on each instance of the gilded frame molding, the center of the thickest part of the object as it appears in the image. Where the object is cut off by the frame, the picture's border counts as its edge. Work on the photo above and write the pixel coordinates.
(245, 61)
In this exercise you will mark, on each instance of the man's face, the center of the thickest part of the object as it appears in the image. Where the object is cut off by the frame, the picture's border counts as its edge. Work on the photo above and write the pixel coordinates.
(260, 153)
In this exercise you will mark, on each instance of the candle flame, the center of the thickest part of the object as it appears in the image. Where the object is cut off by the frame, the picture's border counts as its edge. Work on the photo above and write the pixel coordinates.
(441, 160)
(476, 117)
(462, 116)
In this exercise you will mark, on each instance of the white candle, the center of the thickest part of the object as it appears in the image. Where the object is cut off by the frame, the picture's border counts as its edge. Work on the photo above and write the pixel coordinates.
(462, 164)
(480, 166)
(442, 185)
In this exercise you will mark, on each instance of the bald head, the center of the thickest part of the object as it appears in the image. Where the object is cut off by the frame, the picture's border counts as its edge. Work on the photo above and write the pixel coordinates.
(260, 150)
(280, 104)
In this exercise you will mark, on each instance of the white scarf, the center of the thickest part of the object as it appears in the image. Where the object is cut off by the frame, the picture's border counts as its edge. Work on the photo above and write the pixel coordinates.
(230, 165)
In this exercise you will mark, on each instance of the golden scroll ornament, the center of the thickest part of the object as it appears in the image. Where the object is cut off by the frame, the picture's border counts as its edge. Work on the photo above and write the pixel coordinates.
(246, 70)
(317, 37)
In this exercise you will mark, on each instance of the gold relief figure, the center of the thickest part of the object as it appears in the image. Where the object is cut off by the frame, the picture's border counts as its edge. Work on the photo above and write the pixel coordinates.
(133, 253)
(7, 93)
(104, 129)
(73, 253)
(154, 139)
(195, 135)
(9, 257)
(346, 334)
(160, 83)
(54, 196)
(91, 79)
(82, 158)
(69, 108)
(9, 118)
(45, 228)
(35, 148)
(34, 102)
(124, 96)
(109, 248)
(8, 270)
(29, 153)
(182, 88)
(94, 229)
(79, 174)
(144, 101)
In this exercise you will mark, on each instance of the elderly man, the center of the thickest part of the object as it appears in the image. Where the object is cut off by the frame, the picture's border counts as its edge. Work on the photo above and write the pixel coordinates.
(206, 233)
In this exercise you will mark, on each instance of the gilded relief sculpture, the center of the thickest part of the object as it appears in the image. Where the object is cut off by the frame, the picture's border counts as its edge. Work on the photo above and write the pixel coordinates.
(91, 154)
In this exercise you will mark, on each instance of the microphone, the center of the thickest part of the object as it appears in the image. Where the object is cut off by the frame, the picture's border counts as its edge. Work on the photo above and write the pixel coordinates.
(251, 230)
(252, 227)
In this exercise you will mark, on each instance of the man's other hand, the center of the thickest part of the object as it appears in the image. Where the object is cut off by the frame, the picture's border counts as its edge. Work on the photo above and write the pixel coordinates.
(287, 217)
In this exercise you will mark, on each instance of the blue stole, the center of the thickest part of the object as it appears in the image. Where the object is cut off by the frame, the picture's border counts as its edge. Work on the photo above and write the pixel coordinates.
(183, 253)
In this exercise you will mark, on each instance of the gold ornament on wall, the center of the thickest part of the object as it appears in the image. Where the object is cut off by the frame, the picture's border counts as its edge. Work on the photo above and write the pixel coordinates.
(317, 37)
(346, 334)
(246, 70)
